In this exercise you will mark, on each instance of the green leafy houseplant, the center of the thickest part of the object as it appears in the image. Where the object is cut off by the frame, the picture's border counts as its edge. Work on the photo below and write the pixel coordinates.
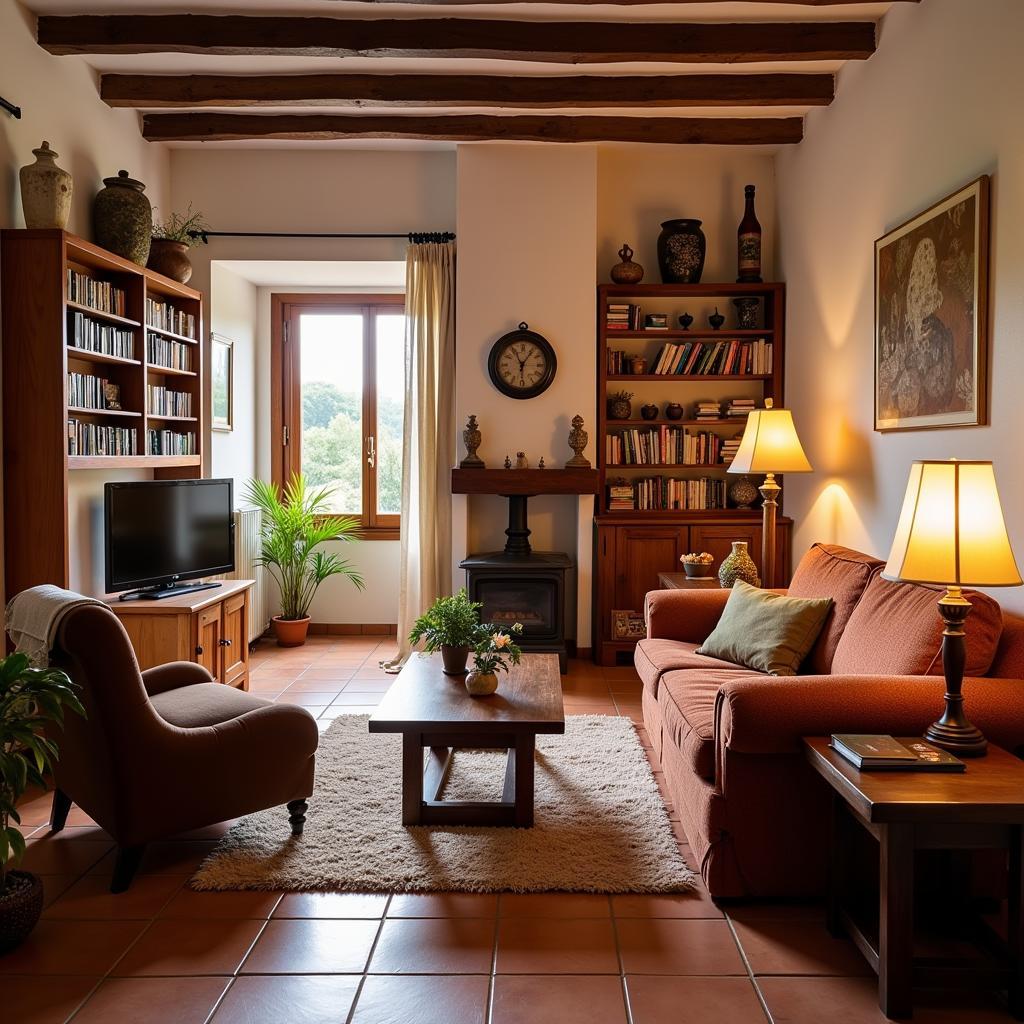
(295, 525)
(450, 626)
(186, 227)
(494, 644)
(29, 699)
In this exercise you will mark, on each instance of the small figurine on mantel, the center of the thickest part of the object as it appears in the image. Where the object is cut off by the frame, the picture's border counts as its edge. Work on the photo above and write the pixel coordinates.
(522, 462)
(508, 462)
(540, 465)
(578, 438)
(471, 438)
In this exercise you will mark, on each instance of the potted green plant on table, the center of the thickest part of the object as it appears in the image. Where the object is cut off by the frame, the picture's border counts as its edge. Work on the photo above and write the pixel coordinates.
(450, 626)
(493, 645)
(29, 699)
(295, 524)
(171, 241)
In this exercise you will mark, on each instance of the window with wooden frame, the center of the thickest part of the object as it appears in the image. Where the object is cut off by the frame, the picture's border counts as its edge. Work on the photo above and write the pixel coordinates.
(338, 390)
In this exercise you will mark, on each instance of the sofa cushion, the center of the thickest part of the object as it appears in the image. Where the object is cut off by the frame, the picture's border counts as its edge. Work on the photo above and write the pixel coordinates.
(653, 658)
(203, 704)
(686, 698)
(828, 570)
(896, 630)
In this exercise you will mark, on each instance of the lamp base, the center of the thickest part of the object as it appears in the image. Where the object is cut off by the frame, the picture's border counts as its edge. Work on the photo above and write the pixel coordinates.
(963, 740)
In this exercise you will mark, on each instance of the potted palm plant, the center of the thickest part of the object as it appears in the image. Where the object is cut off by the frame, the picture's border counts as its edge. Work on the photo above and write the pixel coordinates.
(450, 626)
(29, 699)
(295, 525)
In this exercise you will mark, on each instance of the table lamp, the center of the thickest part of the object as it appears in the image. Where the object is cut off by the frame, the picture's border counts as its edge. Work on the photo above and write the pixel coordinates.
(769, 446)
(951, 532)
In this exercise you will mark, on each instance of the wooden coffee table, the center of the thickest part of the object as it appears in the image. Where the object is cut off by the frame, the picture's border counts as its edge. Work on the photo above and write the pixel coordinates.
(433, 710)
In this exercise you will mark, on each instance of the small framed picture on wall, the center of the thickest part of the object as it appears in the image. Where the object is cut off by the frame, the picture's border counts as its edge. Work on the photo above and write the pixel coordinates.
(931, 316)
(222, 383)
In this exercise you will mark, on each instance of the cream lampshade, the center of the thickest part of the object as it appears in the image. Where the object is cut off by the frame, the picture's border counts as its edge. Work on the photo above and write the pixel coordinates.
(951, 532)
(770, 445)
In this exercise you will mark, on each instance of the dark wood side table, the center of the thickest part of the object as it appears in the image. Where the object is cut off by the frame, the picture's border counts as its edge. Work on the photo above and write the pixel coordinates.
(680, 581)
(981, 808)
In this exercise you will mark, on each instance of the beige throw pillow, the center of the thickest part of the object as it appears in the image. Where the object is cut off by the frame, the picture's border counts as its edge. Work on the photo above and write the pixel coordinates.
(766, 631)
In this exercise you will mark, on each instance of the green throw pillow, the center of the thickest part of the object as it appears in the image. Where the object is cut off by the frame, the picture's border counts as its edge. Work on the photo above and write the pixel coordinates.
(766, 631)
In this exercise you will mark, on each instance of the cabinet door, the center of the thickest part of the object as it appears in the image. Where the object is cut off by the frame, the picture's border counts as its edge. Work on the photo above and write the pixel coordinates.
(717, 539)
(235, 657)
(208, 640)
(641, 552)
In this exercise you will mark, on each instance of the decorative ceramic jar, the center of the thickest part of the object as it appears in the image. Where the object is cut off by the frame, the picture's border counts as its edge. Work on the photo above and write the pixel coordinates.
(673, 411)
(481, 684)
(21, 903)
(738, 565)
(471, 438)
(170, 258)
(123, 218)
(45, 191)
(454, 659)
(742, 492)
(746, 312)
(716, 320)
(681, 251)
(649, 412)
(638, 366)
(619, 406)
(685, 320)
(627, 272)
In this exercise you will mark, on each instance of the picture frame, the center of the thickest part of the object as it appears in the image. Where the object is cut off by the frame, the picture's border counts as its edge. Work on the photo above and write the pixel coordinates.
(628, 624)
(222, 383)
(931, 316)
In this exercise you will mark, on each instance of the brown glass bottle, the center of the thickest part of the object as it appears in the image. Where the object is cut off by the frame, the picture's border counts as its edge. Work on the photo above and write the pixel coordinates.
(749, 243)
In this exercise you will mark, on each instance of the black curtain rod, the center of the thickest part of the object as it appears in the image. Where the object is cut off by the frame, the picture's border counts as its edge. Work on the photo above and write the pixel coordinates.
(10, 107)
(415, 237)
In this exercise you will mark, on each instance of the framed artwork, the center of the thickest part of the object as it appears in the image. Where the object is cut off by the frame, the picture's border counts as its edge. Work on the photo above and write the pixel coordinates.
(222, 382)
(628, 625)
(931, 316)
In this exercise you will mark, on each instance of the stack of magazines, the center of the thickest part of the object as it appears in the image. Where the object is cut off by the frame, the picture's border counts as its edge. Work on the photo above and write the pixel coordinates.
(875, 752)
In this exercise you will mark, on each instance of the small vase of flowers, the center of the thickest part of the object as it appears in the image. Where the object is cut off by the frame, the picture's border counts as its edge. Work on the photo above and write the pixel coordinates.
(494, 644)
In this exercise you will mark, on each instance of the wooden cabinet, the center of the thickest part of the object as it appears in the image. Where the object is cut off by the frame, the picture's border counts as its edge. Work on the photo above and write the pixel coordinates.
(209, 627)
(641, 552)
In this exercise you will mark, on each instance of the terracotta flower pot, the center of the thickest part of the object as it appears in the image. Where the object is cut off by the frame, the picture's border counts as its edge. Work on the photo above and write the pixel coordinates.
(481, 684)
(454, 659)
(170, 258)
(290, 632)
(21, 903)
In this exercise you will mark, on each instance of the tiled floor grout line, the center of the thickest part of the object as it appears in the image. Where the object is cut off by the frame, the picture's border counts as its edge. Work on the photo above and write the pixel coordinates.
(493, 979)
(622, 967)
(369, 960)
(749, 969)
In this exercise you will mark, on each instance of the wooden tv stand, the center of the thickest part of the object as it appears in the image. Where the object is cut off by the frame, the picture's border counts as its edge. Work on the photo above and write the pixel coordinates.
(210, 627)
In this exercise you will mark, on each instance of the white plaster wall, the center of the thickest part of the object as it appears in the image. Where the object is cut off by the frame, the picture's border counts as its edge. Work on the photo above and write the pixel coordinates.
(935, 107)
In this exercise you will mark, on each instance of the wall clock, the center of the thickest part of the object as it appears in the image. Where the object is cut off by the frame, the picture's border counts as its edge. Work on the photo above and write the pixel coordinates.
(522, 363)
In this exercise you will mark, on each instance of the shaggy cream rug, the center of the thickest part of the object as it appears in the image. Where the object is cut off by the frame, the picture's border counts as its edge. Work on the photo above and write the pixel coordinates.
(600, 823)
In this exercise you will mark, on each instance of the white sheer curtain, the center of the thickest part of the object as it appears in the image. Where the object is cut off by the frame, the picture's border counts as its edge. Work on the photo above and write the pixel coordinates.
(428, 443)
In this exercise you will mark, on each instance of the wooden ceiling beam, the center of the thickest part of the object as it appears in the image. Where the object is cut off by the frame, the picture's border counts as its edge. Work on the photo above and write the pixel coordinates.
(629, 3)
(559, 42)
(468, 90)
(219, 127)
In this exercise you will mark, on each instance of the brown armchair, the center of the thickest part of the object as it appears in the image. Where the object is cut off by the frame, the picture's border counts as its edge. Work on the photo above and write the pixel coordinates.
(168, 750)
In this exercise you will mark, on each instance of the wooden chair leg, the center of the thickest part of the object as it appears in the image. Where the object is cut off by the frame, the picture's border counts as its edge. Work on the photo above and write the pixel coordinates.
(125, 865)
(59, 810)
(297, 815)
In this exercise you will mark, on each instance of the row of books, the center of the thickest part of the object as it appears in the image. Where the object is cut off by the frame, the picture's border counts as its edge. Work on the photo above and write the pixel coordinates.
(99, 439)
(663, 446)
(100, 295)
(169, 318)
(165, 402)
(169, 442)
(623, 316)
(740, 407)
(729, 449)
(662, 493)
(708, 410)
(715, 357)
(173, 354)
(107, 339)
(88, 391)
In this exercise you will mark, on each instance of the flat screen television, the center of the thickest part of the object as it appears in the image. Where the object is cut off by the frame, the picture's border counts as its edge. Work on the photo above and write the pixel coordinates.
(159, 533)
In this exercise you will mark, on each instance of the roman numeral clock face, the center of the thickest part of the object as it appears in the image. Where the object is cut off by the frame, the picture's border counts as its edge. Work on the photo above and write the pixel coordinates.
(522, 363)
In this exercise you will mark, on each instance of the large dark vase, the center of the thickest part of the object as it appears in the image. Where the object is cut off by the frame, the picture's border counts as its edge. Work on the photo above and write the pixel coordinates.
(170, 258)
(123, 218)
(681, 251)
(21, 903)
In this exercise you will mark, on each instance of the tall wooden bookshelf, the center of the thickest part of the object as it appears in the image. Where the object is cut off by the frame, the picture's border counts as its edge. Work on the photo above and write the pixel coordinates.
(632, 546)
(39, 320)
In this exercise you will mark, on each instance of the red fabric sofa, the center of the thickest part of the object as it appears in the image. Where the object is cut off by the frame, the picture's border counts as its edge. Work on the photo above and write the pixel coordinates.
(729, 738)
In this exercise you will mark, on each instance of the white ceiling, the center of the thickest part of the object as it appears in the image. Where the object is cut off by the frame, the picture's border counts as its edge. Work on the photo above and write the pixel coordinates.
(319, 273)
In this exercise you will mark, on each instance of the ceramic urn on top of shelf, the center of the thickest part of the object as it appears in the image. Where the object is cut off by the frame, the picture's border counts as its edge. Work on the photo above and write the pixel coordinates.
(45, 191)
(123, 218)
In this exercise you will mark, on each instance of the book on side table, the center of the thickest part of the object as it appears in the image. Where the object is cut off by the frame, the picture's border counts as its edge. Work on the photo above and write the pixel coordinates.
(880, 752)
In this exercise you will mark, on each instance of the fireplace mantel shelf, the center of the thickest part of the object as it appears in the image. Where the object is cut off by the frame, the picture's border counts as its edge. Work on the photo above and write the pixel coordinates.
(525, 481)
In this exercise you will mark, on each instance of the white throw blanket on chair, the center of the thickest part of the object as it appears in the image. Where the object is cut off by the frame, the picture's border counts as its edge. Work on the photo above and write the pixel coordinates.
(34, 615)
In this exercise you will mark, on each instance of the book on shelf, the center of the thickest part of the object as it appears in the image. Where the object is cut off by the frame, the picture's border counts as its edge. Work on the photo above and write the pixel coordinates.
(169, 442)
(87, 391)
(729, 449)
(623, 316)
(620, 498)
(740, 407)
(173, 355)
(715, 358)
(100, 295)
(869, 751)
(656, 322)
(708, 411)
(93, 336)
(662, 446)
(99, 439)
(662, 493)
(167, 317)
(162, 401)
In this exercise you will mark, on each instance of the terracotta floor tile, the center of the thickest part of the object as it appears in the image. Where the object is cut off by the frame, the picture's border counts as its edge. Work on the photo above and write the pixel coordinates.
(295, 999)
(189, 947)
(208, 832)
(218, 906)
(695, 904)
(329, 713)
(54, 886)
(396, 1000)
(332, 904)
(90, 897)
(358, 697)
(71, 947)
(459, 945)
(312, 947)
(798, 947)
(26, 1000)
(565, 999)
(152, 1001)
(368, 686)
(654, 1000)
(330, 674)
(775, 911)
(552, 946)
(674, 946)
(553, 904)
(58, 853)
(443, 904)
